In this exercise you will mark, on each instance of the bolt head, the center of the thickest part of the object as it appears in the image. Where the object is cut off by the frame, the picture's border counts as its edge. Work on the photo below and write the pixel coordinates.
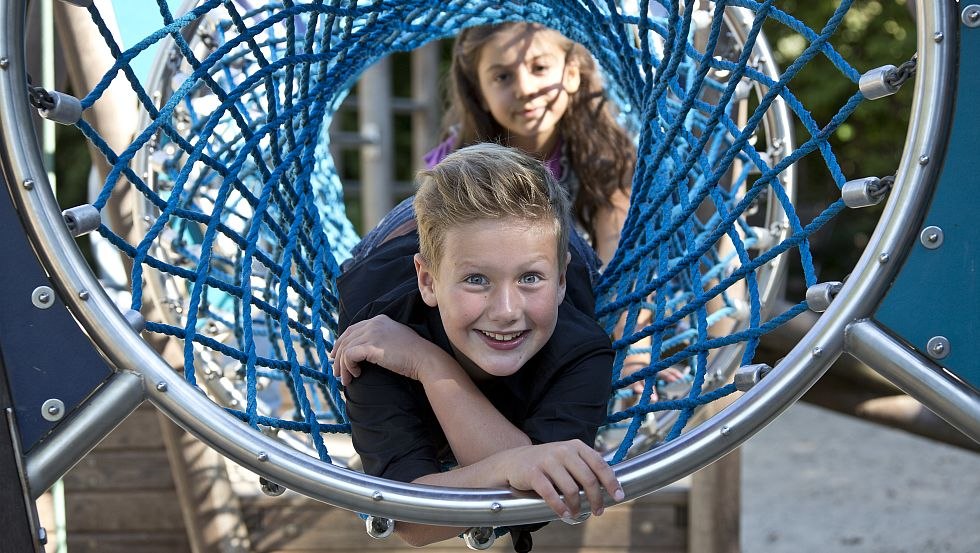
(28, 184)
(83, 295)
(4, 63)
(377, 496)
(262, 456)
(726, 430)
(161, 386)
(817, 351)
(938, 37)
(496, 507)
(923, 160)
(883, 258)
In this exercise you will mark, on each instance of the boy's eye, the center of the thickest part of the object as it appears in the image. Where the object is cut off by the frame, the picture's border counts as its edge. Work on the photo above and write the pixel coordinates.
(476, 280)
(530, 278)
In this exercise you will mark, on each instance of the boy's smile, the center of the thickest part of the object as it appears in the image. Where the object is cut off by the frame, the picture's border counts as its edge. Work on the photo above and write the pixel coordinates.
(497, 286)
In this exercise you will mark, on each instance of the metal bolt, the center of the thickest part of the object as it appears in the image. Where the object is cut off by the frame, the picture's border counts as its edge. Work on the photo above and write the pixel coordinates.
(53, 409)
(262, 457)
(377, 496)
(161, 386)
(496, 507)
(817, 351)
(923, 159)
(28, 184)
(42, 535)
(4, 63)
(931, 237)
(883, 258)
(971, 16)
(83, 295)
(42, 297)
(938, 347)
(726, 430)
(939, 36)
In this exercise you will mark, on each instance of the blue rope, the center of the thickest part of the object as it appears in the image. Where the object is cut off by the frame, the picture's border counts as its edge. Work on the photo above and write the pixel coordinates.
(249, 228)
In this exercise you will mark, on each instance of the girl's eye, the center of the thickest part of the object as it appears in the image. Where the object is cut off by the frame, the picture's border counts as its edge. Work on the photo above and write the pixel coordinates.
(500, 77)
(476, 280)
(540, 68)
(530, 278)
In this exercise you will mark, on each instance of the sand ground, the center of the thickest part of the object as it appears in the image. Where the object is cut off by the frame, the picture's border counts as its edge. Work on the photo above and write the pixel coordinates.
(817, 481)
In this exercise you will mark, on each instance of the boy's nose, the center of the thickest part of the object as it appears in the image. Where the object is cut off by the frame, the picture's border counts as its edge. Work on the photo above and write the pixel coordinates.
(505, 304)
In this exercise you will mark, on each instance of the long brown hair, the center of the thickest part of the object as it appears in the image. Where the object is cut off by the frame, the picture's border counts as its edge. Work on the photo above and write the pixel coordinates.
(601, 155)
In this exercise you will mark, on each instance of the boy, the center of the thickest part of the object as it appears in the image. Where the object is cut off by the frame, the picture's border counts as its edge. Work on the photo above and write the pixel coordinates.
(459, 344)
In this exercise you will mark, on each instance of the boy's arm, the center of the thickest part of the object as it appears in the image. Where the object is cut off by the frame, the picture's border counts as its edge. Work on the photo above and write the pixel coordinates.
(474, 428)
(555, 471)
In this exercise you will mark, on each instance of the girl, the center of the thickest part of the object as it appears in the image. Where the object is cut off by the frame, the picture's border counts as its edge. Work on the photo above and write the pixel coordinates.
(527, 86)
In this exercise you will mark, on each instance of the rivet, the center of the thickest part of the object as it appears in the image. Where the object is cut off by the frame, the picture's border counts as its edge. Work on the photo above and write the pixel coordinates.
(4, 63)
(262, 457)
(817, 351)
(939, 36)
(931, 237)
(496, 507)
(53, 409)
(28, 184)
(883, 258)
(923, 159)
(161, 386)
(971, 16)
(83, 295)
(938, 347)
(377, 496)
(42, 297)
(726, 430)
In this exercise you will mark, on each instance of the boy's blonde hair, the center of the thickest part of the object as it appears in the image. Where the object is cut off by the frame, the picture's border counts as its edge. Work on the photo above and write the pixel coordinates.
(487, 181)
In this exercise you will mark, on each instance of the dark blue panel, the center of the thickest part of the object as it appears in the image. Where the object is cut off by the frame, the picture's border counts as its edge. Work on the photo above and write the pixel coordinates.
(45, 353)
(937, 292)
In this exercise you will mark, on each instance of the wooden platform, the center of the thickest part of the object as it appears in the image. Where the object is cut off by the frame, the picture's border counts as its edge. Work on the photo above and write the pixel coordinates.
(150, 488)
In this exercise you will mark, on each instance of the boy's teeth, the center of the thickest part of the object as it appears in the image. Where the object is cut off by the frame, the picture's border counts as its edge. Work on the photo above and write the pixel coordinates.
(502, 337)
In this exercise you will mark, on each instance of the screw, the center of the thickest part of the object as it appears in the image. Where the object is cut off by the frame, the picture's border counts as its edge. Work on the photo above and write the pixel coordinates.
(938, 347)
(726, 430)
(4, 63)
(42, 297)
(938, 37)
(817, 351)
(83, 295)
(883, 258)
(496, 507)
(377, 496)
(931, 237)
(262, 457)
(28, 184)
(923, 159)
(53, 409)
(161, 386)
(42, 534)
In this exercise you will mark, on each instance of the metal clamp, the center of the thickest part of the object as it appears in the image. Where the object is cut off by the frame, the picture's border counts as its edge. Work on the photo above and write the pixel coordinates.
(270, 488)
(931, 237)
(819, 296)
(971, 16)
(479, 538)
(874, 84)
(135, 320)
(379, 528)
(82, 219)
(66, 110)
(863, 192)
(748, 376)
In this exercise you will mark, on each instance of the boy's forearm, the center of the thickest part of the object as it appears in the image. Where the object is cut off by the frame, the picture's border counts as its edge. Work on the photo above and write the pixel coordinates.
(474, 428)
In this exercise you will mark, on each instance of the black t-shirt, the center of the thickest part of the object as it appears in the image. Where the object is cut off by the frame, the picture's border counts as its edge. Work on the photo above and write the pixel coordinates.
(559, 394)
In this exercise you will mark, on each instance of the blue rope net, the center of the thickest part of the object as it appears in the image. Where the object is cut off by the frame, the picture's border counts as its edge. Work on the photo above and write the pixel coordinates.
(246, 223)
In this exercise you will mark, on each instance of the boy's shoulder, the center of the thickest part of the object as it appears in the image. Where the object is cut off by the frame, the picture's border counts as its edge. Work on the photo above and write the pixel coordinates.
(383, 276)
(577, 336)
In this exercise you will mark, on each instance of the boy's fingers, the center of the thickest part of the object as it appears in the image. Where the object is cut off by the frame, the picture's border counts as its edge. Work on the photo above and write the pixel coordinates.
(605, 474)
(566, 484)
(543, 487)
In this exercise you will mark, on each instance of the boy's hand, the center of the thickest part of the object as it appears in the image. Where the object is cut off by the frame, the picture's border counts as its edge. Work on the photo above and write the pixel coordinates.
(562, 469)
(385, 343)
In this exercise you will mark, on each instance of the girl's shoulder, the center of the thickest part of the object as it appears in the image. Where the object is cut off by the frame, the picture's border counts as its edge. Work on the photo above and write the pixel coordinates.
(440, 152)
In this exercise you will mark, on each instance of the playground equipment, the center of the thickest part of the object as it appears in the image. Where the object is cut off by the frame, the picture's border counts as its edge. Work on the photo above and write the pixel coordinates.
(239, 230)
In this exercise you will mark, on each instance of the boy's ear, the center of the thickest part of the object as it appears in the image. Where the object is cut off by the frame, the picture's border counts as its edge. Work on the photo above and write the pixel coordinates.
(562, 282)
(572, 79)
(426, 281)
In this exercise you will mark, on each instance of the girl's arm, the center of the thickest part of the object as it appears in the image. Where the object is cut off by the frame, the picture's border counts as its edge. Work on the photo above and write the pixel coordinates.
(609, 224)
(474, 428)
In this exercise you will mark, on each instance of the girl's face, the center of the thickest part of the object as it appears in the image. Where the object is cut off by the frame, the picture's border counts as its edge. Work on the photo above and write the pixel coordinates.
(526, 83)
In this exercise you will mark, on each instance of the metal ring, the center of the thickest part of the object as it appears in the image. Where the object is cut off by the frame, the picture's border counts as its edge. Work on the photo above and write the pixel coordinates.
(425, 504)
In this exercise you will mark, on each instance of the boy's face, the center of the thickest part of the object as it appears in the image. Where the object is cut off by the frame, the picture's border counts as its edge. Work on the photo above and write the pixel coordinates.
(497, 287)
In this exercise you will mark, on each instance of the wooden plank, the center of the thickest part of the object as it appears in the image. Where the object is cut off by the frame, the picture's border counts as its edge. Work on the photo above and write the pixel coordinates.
(120, 470)
(641, 526)
(136, 511)
(715, 500)
(211, 510)
(139, 431)
(166, 542)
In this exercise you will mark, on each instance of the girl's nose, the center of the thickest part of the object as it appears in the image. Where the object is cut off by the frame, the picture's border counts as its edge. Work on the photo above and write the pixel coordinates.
(524, 83)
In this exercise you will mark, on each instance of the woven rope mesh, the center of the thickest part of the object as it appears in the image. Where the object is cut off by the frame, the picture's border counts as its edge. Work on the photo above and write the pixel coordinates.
(242, 222)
